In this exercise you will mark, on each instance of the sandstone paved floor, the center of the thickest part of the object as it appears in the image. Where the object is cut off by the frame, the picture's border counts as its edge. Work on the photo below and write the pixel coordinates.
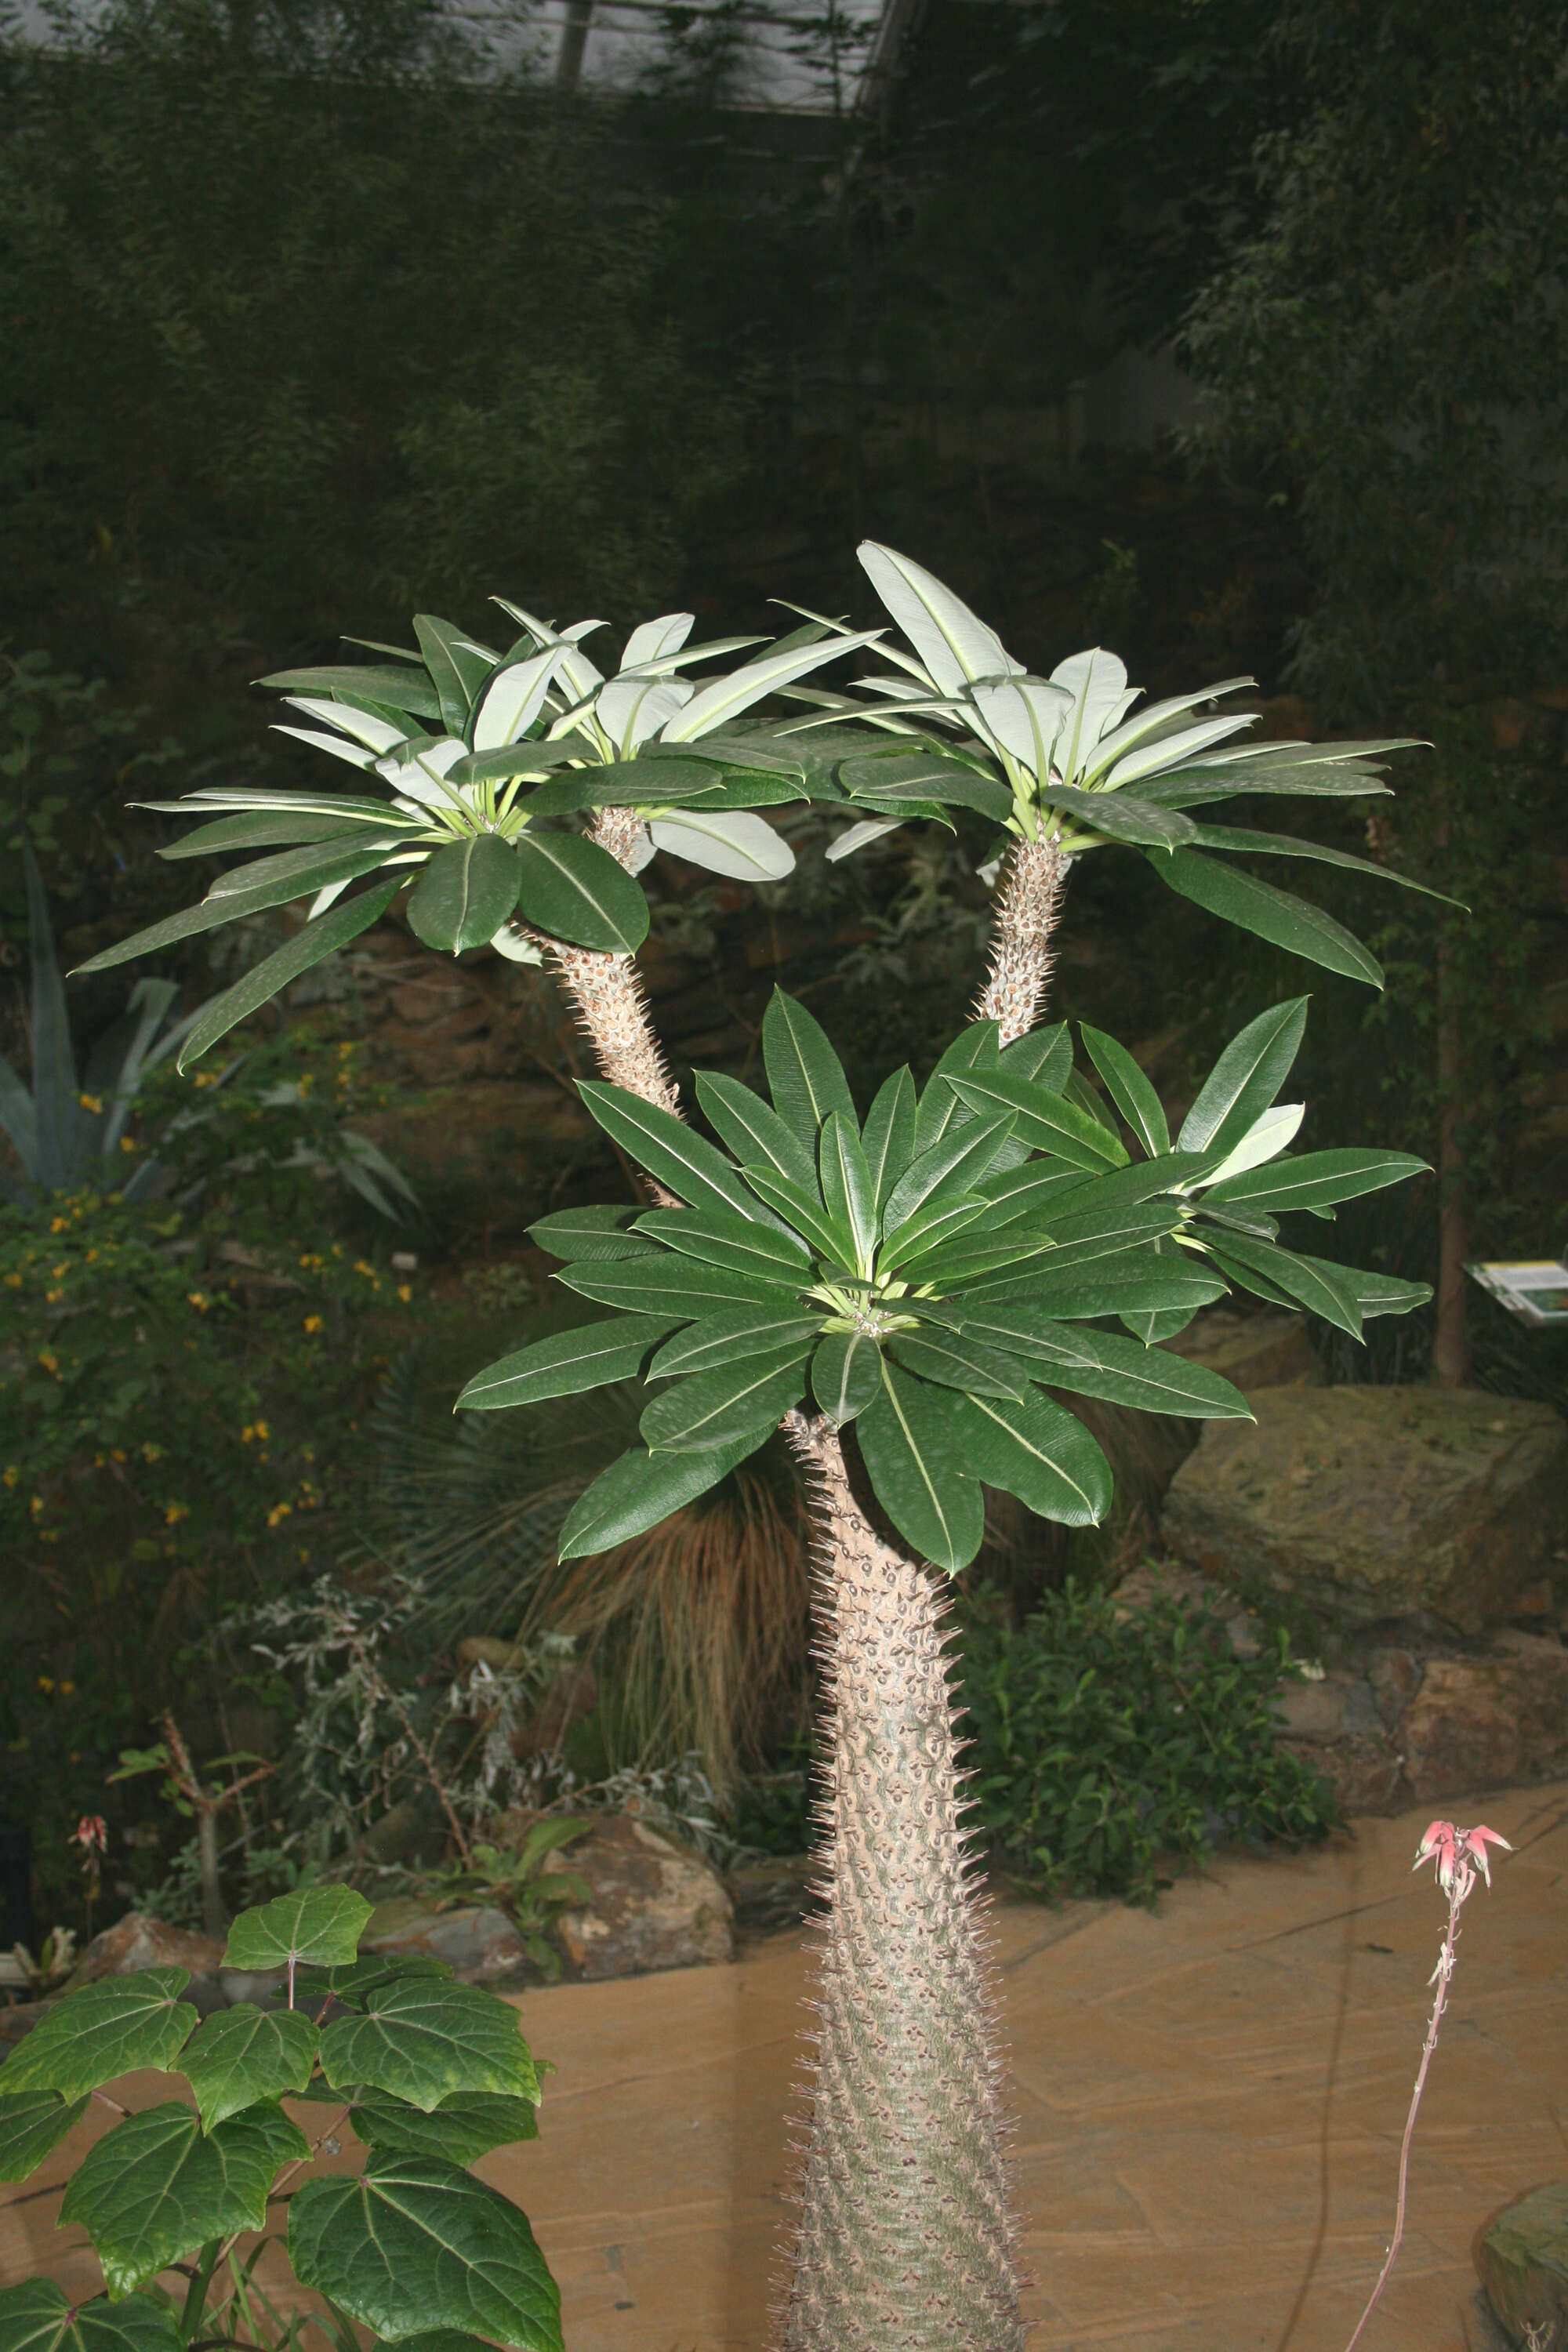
(1209, 2099)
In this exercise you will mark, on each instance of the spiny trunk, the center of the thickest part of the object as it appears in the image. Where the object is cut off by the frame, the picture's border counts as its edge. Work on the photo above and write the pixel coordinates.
(905, 2239)
(607, 994)
(1021, 953)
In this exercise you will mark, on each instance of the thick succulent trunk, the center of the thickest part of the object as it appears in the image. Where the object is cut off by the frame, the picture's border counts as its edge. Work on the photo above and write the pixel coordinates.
(1021, 951)
(905, 2237)
(606, 992)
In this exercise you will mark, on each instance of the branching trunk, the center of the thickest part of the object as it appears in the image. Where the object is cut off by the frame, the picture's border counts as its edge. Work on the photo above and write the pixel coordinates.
(905, 2238)
(1021, 951)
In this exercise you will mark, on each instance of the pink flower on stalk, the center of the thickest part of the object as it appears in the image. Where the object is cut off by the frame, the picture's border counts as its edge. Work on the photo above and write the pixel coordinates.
(91, 1834)
(1458, 1854)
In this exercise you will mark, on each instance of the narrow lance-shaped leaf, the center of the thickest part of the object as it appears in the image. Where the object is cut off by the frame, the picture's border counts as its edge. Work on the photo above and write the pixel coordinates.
(641, 1489)
(846, 1374)
(913, 1452)
(667, 1148)
(754, 1130)
(805, 1076)
(722, 1408)
(1245, 1080)
(1129, 1089)
(573, 890)
(1037, 1450)
(846, 1186)
(565, 1364)
(321, 938)
(887, 1138)
(1273, 914)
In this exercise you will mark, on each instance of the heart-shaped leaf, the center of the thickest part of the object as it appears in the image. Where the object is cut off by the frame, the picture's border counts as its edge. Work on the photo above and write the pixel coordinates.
(30, 2125)
(465, 2127)
(240, 2055)
(423, 2037)
(318, 1926)
(415, 2242)
(465, 893)
(37, 2317)
(104, 2029)
(156, 2187)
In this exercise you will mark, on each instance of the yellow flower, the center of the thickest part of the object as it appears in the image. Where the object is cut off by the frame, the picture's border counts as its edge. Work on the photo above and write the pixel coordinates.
(279, 1513)
(150, 1452)
(90, 1102)
(117, 1454)
(59, 1225)
(304, 1556)
(199, 1300)
(128, 1143)
(174, 1512)
(314, 1323)
(247, 1434)
(11, 1474)
(45, 1682)
(263, 1431)
(90, 1255)
(37, 1505)
(68, 1690)
(53, 1297)
(50, 1363)
(13, 1281)
(361, 1268)
(406, 1292)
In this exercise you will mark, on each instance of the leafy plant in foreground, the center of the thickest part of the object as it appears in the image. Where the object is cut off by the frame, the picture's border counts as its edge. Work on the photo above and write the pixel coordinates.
(429, 2074)
(1100, 1748)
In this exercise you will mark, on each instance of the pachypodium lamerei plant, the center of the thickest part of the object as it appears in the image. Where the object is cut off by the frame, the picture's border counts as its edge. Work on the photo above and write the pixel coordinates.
(429, 2076)
(922, 1274)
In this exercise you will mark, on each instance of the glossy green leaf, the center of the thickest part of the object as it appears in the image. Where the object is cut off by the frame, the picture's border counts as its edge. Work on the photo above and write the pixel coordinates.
(465, 893)
(1031, 1192)
(1282, 845)
(1129, 1089)
(1116, 1285)
(1038, 1452)
(949, 1171)
(1047, 1121)
(802, 1211)
(240, 2055)
(423, 2037)
(1273, 914)
(720, 1238)
(415, 2244)
(806, 1076)
(639, 1490)
(846, 1185)
(1122, 817)
(926, 776)
(731, 1336)
(972, 1256)
(318, 1926)
(646, 784)
(321, 937)
(754, 1131)
(458, 669)
(1164, 1323)
(103, 2029)
(1316, 1179)
(722, 1408)
(677, 1288)
(403, 689)
(205, 916)
(157, 2186)
(566, 1364)
(1094, 1363)
(37, 2317)
(1145, 1179)
(1312, 1283)
(975, 1048)
(572, 890)
(733, 842)
(666, 1147)
(1043, 1054)
(354, 1984)
(887, 1137)
(1379, 1294)
(935, 1222)
(31, 2124)
(294, 872)
(846, 1374)
(954, 645)
(912, 1445)
(954, 1361)
(603, 1229)
(465, 2127)
(252, 828)
(1246, 1078)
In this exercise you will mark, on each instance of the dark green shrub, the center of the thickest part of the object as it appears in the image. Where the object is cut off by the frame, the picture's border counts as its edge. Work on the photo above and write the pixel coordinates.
(1105, 1752)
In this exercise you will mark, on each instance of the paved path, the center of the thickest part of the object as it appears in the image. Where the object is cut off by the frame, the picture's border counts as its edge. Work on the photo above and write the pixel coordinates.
(1209, 2098)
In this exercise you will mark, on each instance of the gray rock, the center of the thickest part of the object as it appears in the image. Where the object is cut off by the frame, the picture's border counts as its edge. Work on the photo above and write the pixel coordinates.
(1521, 2255)
(1364, 1771)
(772, 1894)
(1256, 1352)
(478, 1943)
(1395, 1676)
(1341, 1707)
(137, 1942)
(1372, 1503)
(1482, 1722)
(652, 1903)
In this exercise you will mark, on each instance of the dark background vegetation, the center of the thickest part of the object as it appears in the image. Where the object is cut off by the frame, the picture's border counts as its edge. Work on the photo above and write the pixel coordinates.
(315, 318)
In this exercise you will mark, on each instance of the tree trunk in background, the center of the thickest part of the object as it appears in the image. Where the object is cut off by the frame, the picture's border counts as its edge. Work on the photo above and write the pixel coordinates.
(905, 2238)
(1451, 1340)
(1021, 956)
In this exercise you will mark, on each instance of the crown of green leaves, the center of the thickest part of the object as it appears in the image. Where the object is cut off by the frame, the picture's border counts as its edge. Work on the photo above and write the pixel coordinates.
(928, 1273)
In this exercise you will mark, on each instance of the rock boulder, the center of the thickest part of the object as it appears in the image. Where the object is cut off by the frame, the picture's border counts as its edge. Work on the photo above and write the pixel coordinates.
(478, 1942)
(1522, 2254)
(1376, 1503)
(652, 1905)
(137, 1942)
